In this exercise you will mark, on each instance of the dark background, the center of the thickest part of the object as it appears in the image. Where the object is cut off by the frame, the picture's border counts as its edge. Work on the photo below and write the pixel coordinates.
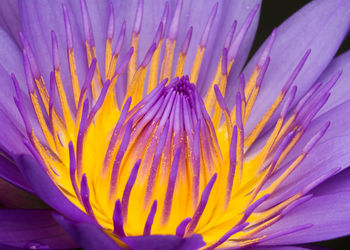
(273, 13)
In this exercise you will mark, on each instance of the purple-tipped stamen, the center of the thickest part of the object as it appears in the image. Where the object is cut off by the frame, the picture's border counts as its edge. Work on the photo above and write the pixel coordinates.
(181, 228)
(266, 52)
(171, 186)
(229, 37)
(118, 220)
(116, 131)
(150, 218)
(201, 206)
(175, 23)
(68, 28)
(205, 35)
(80, 139)
(72, 169)
(89, 35)
(85, 196)
(234, 47)
(187, 41)
(55, 55)
(118, 159)
(128, 187)
(110, 27)
(138, 18)
(296, 71)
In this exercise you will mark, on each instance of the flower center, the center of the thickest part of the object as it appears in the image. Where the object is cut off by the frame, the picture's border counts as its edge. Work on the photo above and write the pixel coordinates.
(171, 132)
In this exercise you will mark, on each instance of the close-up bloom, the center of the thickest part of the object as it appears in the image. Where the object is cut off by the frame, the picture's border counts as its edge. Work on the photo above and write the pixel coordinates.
(143, 125)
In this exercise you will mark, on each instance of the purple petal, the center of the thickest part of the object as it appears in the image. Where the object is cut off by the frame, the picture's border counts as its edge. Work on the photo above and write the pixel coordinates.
(10, 135)
(9, 19)
(47, 190)
(10, 55)
(328, 211)
(320, 26)
(281, 248)
(87, 236)
(28, 228)
(165, 242)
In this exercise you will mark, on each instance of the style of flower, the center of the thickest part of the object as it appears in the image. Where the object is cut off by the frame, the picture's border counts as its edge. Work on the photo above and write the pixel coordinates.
(159, 139)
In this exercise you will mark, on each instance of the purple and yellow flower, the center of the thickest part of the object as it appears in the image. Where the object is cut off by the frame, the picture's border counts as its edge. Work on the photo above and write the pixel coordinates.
(139, 126)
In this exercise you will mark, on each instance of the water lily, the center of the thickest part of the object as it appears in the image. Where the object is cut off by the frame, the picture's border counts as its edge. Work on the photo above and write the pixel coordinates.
(137, 124)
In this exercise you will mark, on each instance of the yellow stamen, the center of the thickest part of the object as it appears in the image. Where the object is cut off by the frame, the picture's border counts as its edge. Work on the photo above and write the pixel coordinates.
(74, 76)
(197, 64)
(153, 73)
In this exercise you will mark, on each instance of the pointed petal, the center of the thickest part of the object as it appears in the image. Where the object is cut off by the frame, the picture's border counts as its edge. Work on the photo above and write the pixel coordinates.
(47, 190)
(320, 26)
(9, 19)
(328, 211)
(87, 236)
(165, 242)
(29, 228)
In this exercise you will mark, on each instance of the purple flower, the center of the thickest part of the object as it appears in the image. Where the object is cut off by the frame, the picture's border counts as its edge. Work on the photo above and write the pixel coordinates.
(123, 126)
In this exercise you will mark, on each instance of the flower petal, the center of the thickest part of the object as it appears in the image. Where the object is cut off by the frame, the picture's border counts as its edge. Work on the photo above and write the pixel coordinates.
(47, 190)
(165, 242)
(328, 211)
(28, 228)
(320, 26)
(9, 19)
(10, 135)
(87, 236)
(10, 56)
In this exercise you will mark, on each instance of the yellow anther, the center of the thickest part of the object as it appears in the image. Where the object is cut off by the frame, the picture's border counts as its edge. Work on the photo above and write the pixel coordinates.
(259, 127)
(197, 64)
(74, 76)
(153, 73)
(133, 60)
(43, 92)
(41, 120)
(180, 65)
(108, 56)
(65, 108)
(97, 80)
(168, 59)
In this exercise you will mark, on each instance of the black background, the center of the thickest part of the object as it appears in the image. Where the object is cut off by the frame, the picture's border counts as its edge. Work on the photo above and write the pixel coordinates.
(273, 13)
